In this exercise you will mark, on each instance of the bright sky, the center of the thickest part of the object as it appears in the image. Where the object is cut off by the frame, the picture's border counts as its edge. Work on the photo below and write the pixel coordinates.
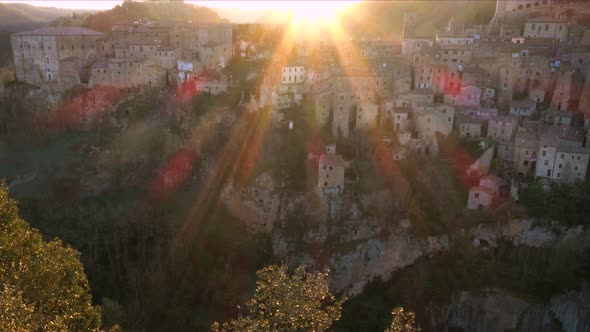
(249, 5)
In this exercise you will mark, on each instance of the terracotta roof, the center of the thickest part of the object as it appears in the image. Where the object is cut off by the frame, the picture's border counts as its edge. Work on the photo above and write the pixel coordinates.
(60, 31)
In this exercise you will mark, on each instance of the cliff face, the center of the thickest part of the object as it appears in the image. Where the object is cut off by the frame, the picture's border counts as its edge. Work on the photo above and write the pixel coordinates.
(358, 242)
(493, 310)
(377, 258)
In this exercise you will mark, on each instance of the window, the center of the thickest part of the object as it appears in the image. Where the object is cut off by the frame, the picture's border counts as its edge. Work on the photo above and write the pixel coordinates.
(548, 172)
(544, 153)
(476, 195)
(546, 162)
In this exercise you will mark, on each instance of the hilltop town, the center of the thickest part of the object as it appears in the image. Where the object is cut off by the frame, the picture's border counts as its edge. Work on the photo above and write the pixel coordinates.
(518, 84)
(366, 155)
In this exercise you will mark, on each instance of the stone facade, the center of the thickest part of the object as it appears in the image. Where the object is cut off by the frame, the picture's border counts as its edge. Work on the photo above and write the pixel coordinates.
(331, 171)
(37, 54)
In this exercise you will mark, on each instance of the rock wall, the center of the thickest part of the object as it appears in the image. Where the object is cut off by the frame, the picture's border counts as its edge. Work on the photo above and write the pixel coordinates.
(494, 310)
(377, 258)
(527, 232)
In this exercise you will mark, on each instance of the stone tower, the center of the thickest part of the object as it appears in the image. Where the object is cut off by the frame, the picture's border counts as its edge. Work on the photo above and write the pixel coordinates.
(409, 29)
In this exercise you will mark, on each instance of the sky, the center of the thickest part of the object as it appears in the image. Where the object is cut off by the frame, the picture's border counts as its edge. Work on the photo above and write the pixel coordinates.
(108, 4)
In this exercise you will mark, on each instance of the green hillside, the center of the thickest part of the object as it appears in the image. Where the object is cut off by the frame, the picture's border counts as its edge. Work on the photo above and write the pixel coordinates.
(154, 11)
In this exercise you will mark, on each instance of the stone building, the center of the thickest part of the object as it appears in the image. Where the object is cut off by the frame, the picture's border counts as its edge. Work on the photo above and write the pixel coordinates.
(435, 119)
(546, 28)
(37, 54)
(366, 115)
(351, 88)
(483, 195)
(526, 146)
(469, 125)
(565, 91)
(468, 96)
(525, 108)
(402, 119)
(293, 75)
(331, 171)
(562, 155)
(502, 128)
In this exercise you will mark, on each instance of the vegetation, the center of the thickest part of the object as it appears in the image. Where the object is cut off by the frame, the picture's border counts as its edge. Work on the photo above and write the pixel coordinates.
(566, 203)
(403, 321)
(165, 11)
(283, 302)
(43, 285)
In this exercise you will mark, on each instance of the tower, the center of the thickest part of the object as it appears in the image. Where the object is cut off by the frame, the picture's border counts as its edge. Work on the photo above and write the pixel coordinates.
(409, 29)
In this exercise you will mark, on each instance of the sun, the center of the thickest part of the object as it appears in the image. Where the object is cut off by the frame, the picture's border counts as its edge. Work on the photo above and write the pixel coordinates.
(317, 12)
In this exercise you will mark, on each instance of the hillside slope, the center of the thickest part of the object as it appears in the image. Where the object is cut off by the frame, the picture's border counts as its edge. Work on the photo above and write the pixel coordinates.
(385, 18)
(23, 14)
(154, 11)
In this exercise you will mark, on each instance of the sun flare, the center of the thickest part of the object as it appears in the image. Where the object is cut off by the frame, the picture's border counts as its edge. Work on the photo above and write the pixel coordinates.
(317, 12)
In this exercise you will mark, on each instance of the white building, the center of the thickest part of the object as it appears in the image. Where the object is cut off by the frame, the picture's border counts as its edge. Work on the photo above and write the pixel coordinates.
(562, 156)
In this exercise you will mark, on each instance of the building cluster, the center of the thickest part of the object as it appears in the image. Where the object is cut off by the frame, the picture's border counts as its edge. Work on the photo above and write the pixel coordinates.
(521, 82)
(130, 56)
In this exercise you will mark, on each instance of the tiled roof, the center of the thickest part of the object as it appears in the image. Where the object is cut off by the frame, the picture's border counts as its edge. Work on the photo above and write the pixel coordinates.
(60, 31)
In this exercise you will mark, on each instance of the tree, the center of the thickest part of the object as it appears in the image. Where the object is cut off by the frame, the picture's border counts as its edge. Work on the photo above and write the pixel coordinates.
(534, 199)
(282, 302)
(42, 284)
(403, 321)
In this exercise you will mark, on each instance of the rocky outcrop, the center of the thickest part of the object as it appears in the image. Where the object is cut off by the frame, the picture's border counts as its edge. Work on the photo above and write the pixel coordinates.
(495, 310)
(257, 206)
(485, 311)
(527, 232)
(377, 258)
